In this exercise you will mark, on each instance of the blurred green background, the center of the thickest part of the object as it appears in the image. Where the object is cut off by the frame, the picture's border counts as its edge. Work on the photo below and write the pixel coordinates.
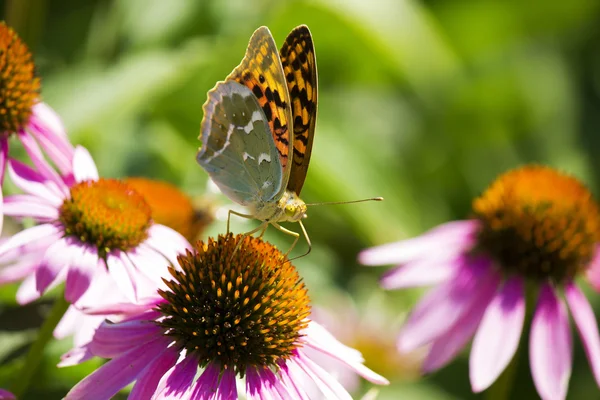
(423, 103)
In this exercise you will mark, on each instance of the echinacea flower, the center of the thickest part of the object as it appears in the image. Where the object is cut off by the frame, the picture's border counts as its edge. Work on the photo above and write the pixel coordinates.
(171, 207)
(89, 230)
(534, 230)
(234, 308)
(22, 114)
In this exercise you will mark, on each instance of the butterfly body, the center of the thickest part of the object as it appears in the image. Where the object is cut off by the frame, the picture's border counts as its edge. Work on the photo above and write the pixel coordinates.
(258, 128)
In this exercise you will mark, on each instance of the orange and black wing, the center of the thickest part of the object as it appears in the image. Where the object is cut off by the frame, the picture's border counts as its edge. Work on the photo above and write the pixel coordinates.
(261, 71)
(300, 67)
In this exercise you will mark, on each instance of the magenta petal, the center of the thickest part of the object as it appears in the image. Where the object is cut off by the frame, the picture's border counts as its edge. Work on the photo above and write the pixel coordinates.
(84, 167)
(550, 351)
(47, 128)
(418, 273)
(263, 384)
(55, 259)
(497, 338)
(3, 157)
(106, 381)
(40, 163)
(149, 378)
(17, 271)
(178, 381)
(27, 237)
(31, 182)
(80, 273)
(326, 383)
(111, 340)
(447, 346)
(6, 395)
(24, 205)
(585, 320)
(444, 305)
(207, 383)
(227, 389)
(456, 234)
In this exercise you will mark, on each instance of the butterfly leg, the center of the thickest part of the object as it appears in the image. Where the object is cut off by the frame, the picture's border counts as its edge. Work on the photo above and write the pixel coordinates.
(262, 226)
(296, 236)
(239, 215)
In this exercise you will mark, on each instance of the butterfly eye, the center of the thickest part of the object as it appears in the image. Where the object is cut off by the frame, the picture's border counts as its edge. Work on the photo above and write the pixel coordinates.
(290, 210)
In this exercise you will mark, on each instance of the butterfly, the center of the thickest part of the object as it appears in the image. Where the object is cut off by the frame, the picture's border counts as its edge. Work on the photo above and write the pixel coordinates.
(258, 129)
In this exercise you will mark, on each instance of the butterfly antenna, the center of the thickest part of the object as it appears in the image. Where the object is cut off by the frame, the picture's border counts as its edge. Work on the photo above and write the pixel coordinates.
(346, 202)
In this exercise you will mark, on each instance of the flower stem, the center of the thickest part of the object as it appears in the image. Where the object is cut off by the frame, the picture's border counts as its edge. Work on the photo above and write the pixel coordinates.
(36, 351)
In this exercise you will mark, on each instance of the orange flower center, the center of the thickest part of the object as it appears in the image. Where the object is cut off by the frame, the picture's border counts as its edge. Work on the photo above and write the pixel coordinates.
(235, 304)
(538, 223)
(19, 88)
(107, 214)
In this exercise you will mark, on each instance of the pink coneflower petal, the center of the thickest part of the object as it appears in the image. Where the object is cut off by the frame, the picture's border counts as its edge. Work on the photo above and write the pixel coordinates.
(51, 134)
(585, 320)
(445, 304)
(550, 347)
(112, 340)
(120, 269)
(207, 383)
(18, 270)
(152, 265)
(147, 381)
(497, 338)
(84, 167)
(27, 291)
(264, 385)
(56, 257)
(419, 273)
(27, 237)
(292, 382)
(177, 382)
(456, 233)
(106, 381)
(75, 356)
(6, 395)
(38, 160)
(24, 205)
(447, 346)
(31, 182)
(3, 158)
(329, 386)
(158, 235)
(81, 271)
(323, 341)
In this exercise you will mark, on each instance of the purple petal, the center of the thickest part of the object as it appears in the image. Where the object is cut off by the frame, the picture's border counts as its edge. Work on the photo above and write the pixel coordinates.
(148, 380)
(167, 242)
(84, 167)
(318, 338)
(207, 383)
(497, 338)
(122, 274)
(419, 273)
(227, 389)
(112, 340)
(6, 395)
(327, 384)
(24, 205)
(550, 351)
(40, 163)
(447, 346)
(55, 259)
(106, 381)
(81, 271)
(46, 127)
(3, 158)
(585, 320)
(27, 237)
(263, 384)
(31, 182)
(178, 381)
(444, 305)
(27, 291)
(456, 235)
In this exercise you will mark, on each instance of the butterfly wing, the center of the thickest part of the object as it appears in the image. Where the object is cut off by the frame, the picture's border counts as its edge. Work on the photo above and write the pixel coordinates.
(300, 68)
(262, 73)
(234, 152)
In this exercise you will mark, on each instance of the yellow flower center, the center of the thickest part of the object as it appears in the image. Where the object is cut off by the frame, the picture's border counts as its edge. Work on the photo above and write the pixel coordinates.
(171, 207)
(107, 214)
(236, 306)
(538, 223)
(19, 88)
